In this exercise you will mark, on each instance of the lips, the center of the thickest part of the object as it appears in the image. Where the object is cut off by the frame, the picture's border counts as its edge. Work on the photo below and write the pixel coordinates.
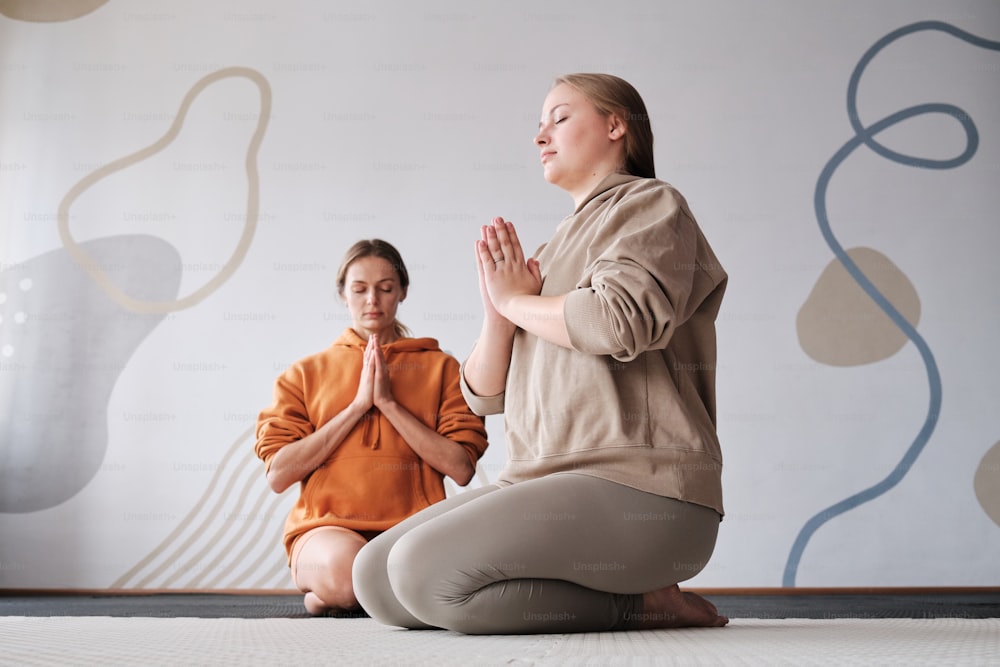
(546, 155)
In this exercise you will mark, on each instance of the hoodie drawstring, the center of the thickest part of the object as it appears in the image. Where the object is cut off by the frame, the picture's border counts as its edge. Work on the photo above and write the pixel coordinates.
(371, 430)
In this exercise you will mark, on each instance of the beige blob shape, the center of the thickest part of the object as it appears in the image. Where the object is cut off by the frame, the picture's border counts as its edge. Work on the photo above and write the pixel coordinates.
(840, 325)
(986, 483)
(48, 11)
(95, 270)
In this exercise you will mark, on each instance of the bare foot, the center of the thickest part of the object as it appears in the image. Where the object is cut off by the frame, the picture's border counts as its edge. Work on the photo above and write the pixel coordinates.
(314, 605)
(317, 607)
(672, 608)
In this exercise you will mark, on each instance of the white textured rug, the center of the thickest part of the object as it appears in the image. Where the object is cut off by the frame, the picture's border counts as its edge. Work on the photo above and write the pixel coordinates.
(230, 641)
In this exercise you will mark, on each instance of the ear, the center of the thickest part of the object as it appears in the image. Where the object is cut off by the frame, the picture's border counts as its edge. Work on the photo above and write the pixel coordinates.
(616, 127)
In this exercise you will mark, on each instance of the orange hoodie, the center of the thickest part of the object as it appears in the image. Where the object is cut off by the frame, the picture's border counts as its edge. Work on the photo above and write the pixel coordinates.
(373, 480)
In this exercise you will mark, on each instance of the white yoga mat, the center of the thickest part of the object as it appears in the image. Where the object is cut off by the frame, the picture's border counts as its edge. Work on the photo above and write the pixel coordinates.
(231, 641)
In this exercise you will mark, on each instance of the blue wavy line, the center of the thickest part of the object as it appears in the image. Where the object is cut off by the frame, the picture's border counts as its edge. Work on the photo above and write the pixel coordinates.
(865, 136)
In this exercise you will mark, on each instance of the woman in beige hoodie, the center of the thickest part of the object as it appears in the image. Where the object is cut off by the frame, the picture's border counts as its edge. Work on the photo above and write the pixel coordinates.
(600, 351)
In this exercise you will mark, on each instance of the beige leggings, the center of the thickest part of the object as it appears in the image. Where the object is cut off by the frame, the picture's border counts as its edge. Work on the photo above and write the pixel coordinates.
(564, 553)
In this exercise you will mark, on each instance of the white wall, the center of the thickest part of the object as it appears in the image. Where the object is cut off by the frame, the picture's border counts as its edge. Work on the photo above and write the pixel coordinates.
(126, 426)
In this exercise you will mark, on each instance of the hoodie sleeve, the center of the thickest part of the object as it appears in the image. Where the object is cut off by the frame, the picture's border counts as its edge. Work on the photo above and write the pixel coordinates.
(480, 405)
(286, 419)
(456, 421)
(651, 274)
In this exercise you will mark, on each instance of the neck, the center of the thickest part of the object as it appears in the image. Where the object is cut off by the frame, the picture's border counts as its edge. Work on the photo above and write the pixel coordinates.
(584, 185)
(582, 191)
(385, 336)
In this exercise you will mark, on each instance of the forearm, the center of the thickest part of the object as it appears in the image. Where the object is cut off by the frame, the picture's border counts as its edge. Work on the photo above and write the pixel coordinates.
(444, 455)
(486, 368)
(539, 315)
(293, 462)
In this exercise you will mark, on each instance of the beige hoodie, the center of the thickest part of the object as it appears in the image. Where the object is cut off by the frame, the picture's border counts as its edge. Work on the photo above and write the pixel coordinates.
(634, 401)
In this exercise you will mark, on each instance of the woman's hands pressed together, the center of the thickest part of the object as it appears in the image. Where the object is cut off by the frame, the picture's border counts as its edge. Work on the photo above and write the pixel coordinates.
(374, 387)
(511, 287)
(503, 272)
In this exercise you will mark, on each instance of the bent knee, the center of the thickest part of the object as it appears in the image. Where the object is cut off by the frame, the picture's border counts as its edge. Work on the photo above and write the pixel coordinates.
(368, 575)
(402, 567)
(419, 584)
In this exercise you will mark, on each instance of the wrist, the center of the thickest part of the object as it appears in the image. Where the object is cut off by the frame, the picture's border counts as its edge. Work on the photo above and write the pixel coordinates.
(502, 306)
(388, 407)
(496, 321)
(510, 307)
(500, 330)
(358, 408)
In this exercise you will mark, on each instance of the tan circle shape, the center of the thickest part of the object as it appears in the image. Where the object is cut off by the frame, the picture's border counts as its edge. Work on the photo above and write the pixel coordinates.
(48, 11)
(840, 325)
(986, 483)
(253, 198)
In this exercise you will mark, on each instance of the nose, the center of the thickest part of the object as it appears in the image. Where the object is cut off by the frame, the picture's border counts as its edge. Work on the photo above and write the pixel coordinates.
(542, 138)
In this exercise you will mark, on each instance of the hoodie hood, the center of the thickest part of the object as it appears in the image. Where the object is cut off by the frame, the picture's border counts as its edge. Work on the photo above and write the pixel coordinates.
(372, 425)
(350, 338)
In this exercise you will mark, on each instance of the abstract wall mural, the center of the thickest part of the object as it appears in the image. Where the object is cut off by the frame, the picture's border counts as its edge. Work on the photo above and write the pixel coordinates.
(880, 280)
(94, 304)
(212, 548)
(64, 343)
(841, 326)
(178, 184)
(987, 483)
(48, 11)
(95, 270)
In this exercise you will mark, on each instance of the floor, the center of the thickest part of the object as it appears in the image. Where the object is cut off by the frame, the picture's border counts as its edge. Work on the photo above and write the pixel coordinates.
(215, 629)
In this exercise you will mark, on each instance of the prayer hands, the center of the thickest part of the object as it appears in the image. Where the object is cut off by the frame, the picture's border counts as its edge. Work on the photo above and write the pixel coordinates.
(374, 388)
(503, 271)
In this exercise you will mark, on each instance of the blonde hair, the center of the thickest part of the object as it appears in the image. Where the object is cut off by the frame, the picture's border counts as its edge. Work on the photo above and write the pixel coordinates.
(613, 95)
(386, 251)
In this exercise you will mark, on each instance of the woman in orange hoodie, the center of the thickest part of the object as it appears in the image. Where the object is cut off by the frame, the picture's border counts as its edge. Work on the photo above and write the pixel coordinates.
(369, 427)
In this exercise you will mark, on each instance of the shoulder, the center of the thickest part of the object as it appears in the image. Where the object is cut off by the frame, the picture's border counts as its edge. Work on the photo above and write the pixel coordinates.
(643, 204)
(649, 192)
(318, 361)
(427, 349)
(650, 202)
(424, 367)
(438, 356)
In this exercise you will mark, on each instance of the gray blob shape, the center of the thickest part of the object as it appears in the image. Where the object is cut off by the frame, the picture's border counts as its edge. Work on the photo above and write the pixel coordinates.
(63, 344)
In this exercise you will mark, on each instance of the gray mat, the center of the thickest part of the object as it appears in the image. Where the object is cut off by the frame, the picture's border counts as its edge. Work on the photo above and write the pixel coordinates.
(218, 605)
